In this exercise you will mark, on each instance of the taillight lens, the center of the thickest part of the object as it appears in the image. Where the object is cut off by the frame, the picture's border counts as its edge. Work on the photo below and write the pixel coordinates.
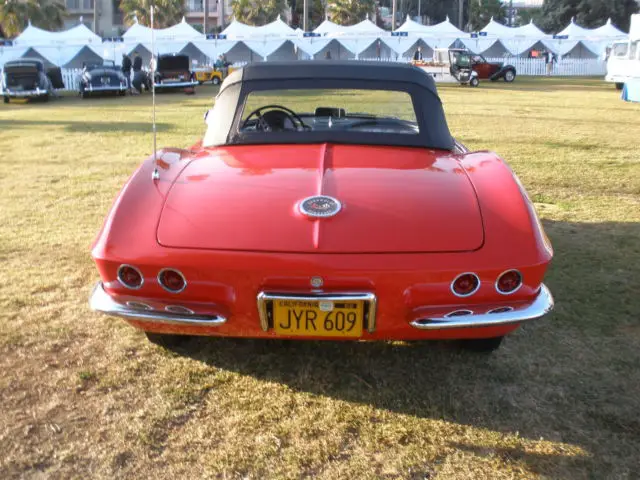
(508, 282)
(172, 280)
(465, 284)
(130, 277)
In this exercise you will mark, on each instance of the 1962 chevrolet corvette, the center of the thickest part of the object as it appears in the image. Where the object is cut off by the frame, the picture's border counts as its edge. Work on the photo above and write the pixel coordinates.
(327, 200)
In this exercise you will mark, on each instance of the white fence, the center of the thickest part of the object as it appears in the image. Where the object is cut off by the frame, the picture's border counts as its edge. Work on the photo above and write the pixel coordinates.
(570, 67)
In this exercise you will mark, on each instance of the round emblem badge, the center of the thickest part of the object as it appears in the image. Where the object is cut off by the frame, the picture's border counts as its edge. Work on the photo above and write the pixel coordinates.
(320, 206)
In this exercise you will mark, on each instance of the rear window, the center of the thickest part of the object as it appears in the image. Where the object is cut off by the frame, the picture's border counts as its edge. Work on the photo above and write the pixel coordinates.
(299, 110)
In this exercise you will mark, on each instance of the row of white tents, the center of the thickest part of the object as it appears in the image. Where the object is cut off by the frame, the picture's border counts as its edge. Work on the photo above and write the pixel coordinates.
(278, 41)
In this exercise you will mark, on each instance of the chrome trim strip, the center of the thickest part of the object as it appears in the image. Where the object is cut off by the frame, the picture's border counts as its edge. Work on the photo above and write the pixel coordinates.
(110, 88)
(137, 270)
(173, 270)
(100, 301)
(468, 294)
(512, 291)
(176, 85)
(542, 305)
(369, 298)
(26, 93)
(459, 313)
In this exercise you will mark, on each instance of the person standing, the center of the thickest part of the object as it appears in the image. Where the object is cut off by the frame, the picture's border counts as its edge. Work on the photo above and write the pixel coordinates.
(549, 58)
(126, 69)
(417, 56)
(138, 76)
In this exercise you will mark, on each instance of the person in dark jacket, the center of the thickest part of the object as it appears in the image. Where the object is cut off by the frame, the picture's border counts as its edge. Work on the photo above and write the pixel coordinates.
(126, 69)
(417, 56)
(138, 74)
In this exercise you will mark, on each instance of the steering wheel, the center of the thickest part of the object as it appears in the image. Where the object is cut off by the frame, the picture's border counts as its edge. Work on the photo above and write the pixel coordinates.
(263, 124)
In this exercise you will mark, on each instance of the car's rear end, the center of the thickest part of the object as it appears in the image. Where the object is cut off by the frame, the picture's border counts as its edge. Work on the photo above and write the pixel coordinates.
(24, 80)
(173, 72)
(103, 81)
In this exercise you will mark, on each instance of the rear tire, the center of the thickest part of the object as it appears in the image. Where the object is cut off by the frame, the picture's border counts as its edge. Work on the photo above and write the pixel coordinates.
(619, 86)
(474, 82)
(216, 81)
(482, 345)
(509, 76)
(6, 99)
(166, 340)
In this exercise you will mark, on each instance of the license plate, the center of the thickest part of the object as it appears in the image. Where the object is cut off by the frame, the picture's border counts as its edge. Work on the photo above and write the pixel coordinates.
(318, 318)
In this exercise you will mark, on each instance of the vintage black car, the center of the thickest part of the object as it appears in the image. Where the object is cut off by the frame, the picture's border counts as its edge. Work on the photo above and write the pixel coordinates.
(27, 78)
(102, 79)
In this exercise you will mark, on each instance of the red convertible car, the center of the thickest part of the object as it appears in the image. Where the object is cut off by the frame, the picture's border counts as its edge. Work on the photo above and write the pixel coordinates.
(327, 200)
(492, 70)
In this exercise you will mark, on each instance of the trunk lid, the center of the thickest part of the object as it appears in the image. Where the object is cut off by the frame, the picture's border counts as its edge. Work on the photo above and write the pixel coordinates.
(394, 199)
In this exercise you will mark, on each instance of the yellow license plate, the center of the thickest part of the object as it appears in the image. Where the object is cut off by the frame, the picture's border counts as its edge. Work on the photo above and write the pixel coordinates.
(318, 318)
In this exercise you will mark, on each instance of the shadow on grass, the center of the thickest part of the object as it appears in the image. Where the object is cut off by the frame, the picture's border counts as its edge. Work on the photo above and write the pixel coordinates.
(85, 126)
(569, 378)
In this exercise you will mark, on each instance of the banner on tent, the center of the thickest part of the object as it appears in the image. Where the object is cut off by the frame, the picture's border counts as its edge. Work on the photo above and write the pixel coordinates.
(5, 43)
(311, 34)
(216, 36)
(399, 34)
(113, 40)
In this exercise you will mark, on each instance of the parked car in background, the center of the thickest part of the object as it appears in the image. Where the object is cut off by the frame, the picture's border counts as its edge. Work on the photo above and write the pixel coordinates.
(492, 70)
(327, 200)
(28, 79)
(102, 79)
(449, 65)
(174, 72)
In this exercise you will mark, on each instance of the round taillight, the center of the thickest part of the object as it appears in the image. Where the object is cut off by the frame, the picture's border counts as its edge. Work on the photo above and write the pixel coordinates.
(130, 277)
(465, 284)
(172, 280)
(180, 310)
(509, 282)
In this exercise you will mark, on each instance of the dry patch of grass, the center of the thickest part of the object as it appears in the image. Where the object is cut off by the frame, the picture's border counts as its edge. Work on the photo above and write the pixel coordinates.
(85, 396)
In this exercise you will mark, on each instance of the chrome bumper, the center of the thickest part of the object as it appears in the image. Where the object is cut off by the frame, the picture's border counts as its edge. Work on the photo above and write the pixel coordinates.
(100, 301)
(176, 84)
(542, 305)
(109, 88)
(25, 93)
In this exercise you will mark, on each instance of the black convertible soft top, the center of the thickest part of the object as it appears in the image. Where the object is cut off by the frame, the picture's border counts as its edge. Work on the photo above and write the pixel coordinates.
(224, 119)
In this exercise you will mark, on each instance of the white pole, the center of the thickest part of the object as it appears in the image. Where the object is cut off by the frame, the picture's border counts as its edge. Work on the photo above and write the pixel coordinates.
(156, 174)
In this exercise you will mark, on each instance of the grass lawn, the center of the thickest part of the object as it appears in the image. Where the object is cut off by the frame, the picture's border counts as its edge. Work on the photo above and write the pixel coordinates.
(85, 396)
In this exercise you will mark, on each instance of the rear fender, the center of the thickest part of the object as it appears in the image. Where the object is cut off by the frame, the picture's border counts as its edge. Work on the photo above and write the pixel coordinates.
(131, 223)
(513, 232)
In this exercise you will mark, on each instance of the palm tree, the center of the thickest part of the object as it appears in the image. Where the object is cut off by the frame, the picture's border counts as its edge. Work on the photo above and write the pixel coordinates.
(257, 12)
(350, 12)
(166, 14)
(15, 14)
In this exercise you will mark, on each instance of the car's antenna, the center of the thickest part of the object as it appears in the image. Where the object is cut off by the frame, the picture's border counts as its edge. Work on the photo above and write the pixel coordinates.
(156, 174)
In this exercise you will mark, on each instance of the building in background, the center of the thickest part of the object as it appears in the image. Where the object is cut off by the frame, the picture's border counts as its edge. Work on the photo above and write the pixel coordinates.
(195, 13)
(111, 19)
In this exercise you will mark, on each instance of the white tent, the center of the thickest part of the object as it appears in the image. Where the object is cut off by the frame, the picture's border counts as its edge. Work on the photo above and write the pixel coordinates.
(573, 30)
(497, 29)
(179, 31)
(442, 29)
(328, 27)
(137, 33)
(609, 31)
(447, 28)
(277, 28)
(530, 30)
(78, 35)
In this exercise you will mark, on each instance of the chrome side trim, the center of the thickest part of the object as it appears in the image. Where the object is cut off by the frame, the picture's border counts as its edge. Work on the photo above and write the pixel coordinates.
(106, 88)
(100, 301)
(368, 298)
(25, 93)
(542, 305)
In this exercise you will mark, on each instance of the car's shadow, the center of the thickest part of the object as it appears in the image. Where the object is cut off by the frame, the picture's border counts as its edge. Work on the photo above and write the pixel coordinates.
(553, 379)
